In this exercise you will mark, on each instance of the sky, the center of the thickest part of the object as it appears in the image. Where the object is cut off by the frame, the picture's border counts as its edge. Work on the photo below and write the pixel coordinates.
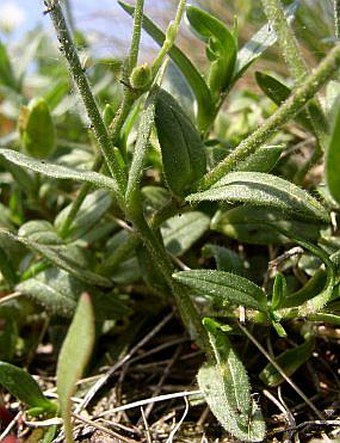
(21, 16)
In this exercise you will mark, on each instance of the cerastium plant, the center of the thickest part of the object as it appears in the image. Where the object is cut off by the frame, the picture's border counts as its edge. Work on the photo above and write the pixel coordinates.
(145, 223)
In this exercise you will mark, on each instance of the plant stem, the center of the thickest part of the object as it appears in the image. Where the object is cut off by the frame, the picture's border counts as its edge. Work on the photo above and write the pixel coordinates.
(186, 307)
(136, 34)
(80, 79)
(286, 38)
(336, 7)
(294, 59)
(170, 37)
(118, 121)
(98, 162)
(287, 110)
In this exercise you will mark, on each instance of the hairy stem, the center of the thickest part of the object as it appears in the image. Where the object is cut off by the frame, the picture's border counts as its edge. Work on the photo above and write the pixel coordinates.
(294, 59)
(68, 48)
(287, 110)
(336, 8)
(170, 37)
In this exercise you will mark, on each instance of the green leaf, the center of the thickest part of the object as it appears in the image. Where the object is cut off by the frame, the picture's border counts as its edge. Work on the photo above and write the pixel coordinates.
(58, 292)
(245, 223)
(183, 153)
(279, 291)
(263, 160)
(224, 287)
(221, 48)
(79, 342)
(36, 129)
(205, 105)
(7, 77)
(333, 158)
(59, 172)
(308, 291)
(226, 388)
(93, 208)
(182, 231)
(23, 386)
(259, 43)
(226, 259)
(260, 189)
(21, 177)
(279, 92)
(69, 257)
(7, 268)
(289, 361)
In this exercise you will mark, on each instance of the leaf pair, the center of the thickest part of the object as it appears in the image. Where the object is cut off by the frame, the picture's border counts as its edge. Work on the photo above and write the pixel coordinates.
(221, 48)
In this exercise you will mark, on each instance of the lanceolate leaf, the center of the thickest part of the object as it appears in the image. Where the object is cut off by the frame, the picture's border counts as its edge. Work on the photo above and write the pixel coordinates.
(23, 386)
(6, 72)
(182, 149)
(59, 172)
(279, 92)
(263, 160)
(73, 358)
(333, 158)
(224, 287)
(226, 388)
(289, 361)
(205, 106)
(93, 208)
(245, 224)
(182, 231)
(260, 189)
(68, 257)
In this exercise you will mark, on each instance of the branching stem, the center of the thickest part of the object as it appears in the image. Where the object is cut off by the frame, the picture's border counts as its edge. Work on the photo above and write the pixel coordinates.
(299, 98)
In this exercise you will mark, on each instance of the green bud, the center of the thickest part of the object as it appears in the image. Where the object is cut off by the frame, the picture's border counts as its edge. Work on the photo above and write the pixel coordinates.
(141, 77)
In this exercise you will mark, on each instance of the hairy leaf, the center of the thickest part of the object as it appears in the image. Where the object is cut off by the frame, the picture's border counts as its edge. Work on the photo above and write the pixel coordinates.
(182, 149)
(226, 388)
(59, 172)
(260, 189)
(224, 286)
